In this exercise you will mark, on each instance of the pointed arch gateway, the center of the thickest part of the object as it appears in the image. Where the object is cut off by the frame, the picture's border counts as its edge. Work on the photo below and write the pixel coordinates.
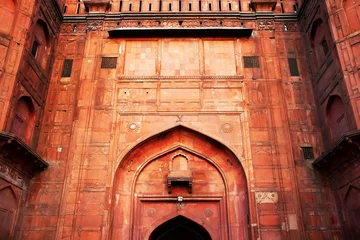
(208, 188)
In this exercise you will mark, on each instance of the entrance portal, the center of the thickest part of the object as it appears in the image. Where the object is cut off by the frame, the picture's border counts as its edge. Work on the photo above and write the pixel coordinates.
(180, 184)
(180, 228)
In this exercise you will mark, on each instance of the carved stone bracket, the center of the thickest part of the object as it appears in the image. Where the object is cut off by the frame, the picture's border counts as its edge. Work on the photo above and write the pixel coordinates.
(263, 5)
(96, 5)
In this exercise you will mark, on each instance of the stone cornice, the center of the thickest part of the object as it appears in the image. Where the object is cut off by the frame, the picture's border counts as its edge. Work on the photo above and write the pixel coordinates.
(241, 16)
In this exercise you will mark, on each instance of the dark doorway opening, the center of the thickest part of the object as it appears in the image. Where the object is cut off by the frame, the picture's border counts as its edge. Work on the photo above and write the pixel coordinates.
(180, 228)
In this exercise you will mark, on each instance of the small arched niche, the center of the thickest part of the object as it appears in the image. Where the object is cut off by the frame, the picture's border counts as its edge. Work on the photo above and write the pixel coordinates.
(24, 119)
(336, 117)
(179, 228)
(40, 47)
(7, 15)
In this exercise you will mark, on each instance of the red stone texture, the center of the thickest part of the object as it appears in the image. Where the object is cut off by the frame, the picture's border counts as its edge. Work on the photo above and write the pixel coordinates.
(110, 134)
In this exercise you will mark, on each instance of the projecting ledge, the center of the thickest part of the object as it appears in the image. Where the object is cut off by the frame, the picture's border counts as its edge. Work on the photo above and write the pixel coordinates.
(19, 155)
(210, 32)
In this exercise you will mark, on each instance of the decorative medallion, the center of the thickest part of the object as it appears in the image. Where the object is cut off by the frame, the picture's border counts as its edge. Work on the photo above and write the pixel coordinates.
(133, 127)
(151, 212)
(266, 197)
(208, 212)
(227, 127)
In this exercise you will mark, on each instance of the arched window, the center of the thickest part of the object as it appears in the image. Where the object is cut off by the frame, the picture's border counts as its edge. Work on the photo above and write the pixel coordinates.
(40, 48)
(336, 117)
(24, 119)
(7, 14)
(352, 9)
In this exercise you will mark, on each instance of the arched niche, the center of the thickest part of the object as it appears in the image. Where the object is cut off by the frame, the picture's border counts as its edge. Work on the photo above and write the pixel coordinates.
(336, 117)
(8, 208)
(352, 206)
(40, 46)
(179, 228)
(319, 42)
(24, 119)
(141, 201)
(7, 16)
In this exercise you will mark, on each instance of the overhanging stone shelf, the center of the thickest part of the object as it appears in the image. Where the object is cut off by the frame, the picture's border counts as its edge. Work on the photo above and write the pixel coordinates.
(212, 32)
(19, 157)
(347, 148)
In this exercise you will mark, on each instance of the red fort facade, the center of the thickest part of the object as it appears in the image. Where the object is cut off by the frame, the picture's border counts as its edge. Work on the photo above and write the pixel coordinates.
(179, 119)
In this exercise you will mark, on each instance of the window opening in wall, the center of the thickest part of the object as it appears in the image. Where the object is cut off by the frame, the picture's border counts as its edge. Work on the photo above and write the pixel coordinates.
(120, 7)
(169, 6)
(219, 5)
(108, 62)
(324, 46)
(308, 152)
(140, 5)
(229, 6)
(295, 8)
(282, 7)
(200, 5)
(160, 6)
(239, 5)
(64, 9)
(209, 6)
(149, 7)
(180, 6)
(189, 6)
(294, 71)
(34, 48)
(130, 7)
(251, 62)
(67, 68)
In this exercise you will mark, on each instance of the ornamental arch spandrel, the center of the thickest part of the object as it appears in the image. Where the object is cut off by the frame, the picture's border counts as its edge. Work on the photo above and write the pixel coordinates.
(211, 192)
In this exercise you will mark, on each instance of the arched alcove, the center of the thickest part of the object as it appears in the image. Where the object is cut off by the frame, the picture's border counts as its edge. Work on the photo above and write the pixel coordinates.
(179, 228)
(40, 47)
(352, 206)
(7, 15)
(24, 119)
(141, 201)
(319, 42)
(8, 208)
(336, 117)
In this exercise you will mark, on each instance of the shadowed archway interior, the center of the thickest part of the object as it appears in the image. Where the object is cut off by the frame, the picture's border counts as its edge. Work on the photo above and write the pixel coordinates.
(179, 228)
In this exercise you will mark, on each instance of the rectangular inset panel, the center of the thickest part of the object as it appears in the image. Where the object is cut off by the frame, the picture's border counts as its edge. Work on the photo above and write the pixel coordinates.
(180, 58)
(108, 62)
(219, 58)
(140, 59)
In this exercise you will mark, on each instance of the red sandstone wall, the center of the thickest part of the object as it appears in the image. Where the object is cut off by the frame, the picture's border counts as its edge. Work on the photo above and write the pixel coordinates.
(93, 118)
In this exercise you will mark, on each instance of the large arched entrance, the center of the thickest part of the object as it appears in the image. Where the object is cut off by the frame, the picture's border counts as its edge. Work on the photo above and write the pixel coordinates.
(180, 177)
(180, 228)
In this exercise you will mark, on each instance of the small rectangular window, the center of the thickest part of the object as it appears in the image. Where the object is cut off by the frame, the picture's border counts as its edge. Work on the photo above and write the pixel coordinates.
(67, 68)
(34, 48)
(294, 71)
(325, 47)
(251, 62)
(308, 152)
(108, 62)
